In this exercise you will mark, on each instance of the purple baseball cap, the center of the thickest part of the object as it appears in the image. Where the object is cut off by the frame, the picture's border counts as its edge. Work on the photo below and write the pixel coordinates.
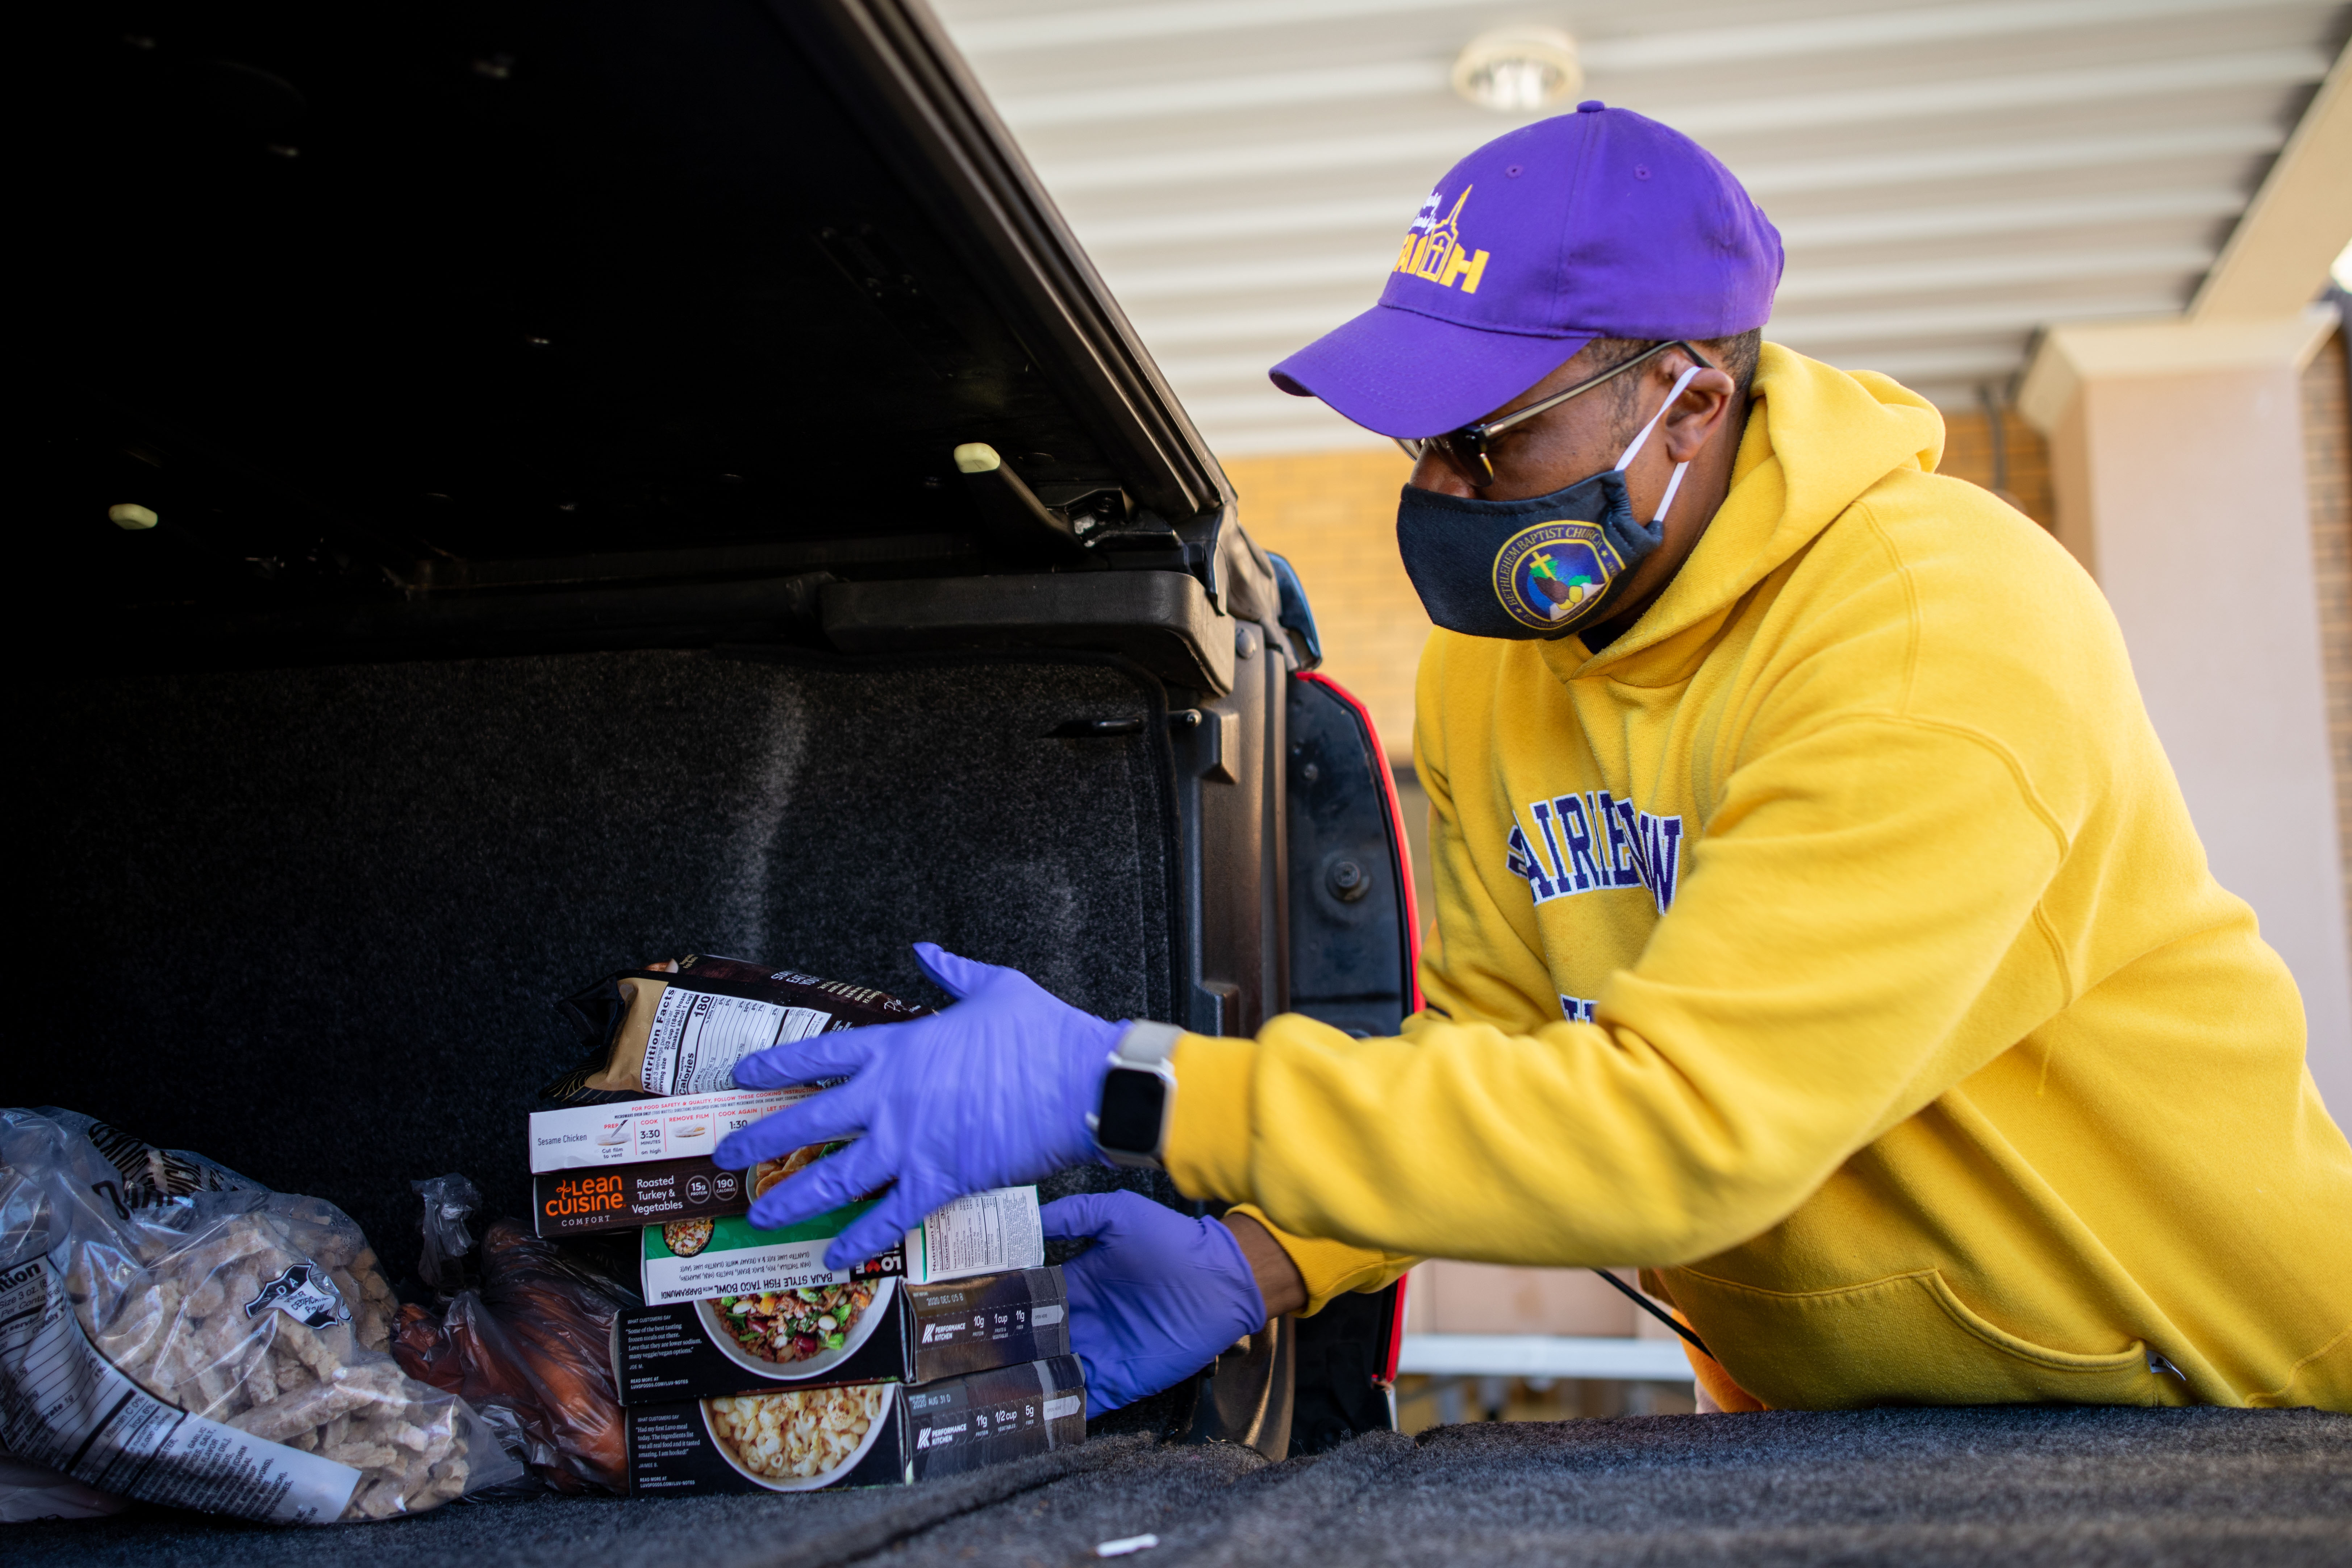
(1601, 223)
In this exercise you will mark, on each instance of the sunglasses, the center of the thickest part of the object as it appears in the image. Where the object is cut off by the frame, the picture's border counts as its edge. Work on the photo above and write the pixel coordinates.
(1466, 448)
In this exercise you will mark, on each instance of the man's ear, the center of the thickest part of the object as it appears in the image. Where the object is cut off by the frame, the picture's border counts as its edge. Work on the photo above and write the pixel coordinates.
(1696, 415)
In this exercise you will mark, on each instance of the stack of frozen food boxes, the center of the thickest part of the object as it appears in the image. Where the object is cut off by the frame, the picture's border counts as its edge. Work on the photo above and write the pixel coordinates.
(753, 1366)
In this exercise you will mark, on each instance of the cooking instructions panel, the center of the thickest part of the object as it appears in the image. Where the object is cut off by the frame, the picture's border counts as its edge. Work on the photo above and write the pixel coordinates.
(682, 1127)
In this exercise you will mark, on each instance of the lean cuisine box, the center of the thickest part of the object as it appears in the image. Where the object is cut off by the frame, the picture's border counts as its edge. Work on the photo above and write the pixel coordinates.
(647, 1162)
(866, 1435)
(860, 1331)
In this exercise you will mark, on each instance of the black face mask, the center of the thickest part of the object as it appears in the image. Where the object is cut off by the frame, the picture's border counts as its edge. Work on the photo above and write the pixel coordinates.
(1535, 568)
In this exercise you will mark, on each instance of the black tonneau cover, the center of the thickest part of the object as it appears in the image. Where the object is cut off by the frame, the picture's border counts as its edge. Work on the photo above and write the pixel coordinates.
(465, 316)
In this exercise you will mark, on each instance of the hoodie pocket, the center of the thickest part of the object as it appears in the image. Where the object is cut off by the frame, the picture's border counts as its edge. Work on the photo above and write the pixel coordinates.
(1904, 1340)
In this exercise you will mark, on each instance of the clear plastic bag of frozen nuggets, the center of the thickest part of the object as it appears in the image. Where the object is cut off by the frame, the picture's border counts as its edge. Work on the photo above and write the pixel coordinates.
(216, 1349)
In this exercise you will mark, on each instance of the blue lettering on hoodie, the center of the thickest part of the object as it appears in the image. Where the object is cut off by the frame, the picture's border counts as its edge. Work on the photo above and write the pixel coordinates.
(1593, 843)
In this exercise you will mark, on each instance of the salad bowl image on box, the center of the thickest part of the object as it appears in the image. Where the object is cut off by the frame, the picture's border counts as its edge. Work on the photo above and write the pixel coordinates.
(797, 1334)
(801, 1439)
(896, 1331)
(730, 1307)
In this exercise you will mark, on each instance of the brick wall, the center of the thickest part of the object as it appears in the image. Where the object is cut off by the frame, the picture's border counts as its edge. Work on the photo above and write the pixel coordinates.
(1333, 514)
(2327, 471)
(1967, 455)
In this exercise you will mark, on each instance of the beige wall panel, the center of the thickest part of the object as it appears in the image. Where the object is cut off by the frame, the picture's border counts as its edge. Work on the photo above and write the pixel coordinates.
(2327, 461)
(2200, 525)
(2070, 487)
(1448, 1297)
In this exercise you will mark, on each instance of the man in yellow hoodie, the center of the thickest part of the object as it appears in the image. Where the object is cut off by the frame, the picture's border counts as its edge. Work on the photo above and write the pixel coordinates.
(1819, 924)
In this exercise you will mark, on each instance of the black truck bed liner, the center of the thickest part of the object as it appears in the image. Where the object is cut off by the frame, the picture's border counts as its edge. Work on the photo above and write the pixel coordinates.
(1919, 1488)
(308, 923)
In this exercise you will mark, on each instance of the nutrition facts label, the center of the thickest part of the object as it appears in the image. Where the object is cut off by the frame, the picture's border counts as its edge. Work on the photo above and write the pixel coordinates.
(699, 1036)
(980, 1233)
(63, 1406)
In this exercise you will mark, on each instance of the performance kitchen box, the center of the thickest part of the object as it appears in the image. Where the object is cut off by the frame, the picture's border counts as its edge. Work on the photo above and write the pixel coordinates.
(898, 1332)
(866, 1435)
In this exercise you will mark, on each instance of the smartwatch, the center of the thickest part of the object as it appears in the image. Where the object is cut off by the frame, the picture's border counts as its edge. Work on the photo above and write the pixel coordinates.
(1139, 1097)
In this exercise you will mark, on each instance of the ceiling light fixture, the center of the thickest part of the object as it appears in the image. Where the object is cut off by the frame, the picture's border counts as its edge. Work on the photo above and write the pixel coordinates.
(1518, 70)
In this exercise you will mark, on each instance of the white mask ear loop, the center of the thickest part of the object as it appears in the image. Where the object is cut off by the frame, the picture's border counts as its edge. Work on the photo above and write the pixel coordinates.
(1675, 482)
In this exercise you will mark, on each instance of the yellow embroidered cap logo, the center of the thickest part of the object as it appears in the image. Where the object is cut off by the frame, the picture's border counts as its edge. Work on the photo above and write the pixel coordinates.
(1434, 250)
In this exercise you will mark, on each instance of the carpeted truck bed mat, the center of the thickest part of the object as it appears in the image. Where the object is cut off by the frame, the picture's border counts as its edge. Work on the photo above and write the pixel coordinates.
(1919, 1488)
(308, 923)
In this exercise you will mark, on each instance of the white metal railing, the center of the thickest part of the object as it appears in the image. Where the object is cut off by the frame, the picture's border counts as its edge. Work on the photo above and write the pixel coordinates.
(1544, 1356)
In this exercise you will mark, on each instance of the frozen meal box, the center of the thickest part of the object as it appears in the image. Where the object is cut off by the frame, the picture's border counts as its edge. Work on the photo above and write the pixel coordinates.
(702, 1259)
(621, 1166)
(647, 1132)
(681, 1030)
(863, 1435)
(863, 1329)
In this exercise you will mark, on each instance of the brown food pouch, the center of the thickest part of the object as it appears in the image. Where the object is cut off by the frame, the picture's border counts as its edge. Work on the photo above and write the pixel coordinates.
(660, 1032)
(534, 1336)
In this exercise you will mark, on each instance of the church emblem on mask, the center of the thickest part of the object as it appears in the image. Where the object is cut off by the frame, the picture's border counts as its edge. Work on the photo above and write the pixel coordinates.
(1551, 576)
(1433, 249)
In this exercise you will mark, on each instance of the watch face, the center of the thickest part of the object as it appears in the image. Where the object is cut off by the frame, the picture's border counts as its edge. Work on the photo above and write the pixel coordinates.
(1132, 1101)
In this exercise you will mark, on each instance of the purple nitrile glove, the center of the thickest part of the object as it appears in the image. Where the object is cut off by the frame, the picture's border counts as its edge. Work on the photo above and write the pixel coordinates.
(1155, 1300)
(993, 1091)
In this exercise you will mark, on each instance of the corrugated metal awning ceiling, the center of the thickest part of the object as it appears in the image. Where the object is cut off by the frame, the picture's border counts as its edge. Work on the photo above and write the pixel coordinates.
(1947, 177)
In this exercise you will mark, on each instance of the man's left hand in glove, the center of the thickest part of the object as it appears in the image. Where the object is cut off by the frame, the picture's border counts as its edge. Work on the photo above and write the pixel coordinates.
(1160, 1294)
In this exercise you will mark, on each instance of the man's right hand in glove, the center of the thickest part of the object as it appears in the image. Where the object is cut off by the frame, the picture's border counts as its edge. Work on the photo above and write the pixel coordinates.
(991, 1092)
(1160, 1294)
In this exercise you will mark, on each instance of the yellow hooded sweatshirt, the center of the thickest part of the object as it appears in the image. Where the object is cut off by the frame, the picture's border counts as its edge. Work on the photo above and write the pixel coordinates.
(1926, 1061)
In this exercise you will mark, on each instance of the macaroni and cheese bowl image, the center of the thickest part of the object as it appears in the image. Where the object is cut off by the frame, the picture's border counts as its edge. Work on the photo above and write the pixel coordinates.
(792, 1334)
(801, 1439)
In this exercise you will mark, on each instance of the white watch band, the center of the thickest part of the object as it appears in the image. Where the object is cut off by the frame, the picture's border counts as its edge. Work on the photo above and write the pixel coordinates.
(1146, 1045)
